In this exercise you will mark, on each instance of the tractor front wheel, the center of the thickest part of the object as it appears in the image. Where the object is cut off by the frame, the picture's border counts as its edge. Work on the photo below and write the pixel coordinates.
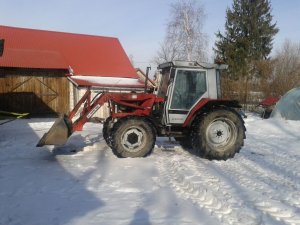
(218, 135)
(132, 137)
(106, 131)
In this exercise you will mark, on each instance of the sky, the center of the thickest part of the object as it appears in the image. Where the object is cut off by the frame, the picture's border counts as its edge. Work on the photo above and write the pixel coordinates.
(140, 25)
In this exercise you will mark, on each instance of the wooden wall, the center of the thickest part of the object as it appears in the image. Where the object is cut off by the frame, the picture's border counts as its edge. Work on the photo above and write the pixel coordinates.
(39, 92)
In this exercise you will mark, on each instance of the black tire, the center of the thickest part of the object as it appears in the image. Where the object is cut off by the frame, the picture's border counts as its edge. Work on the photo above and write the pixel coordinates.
(106, 131)
(219, 134)
(133, 137)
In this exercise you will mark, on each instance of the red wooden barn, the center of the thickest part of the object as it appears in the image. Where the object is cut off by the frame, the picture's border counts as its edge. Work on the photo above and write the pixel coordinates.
(41, 72)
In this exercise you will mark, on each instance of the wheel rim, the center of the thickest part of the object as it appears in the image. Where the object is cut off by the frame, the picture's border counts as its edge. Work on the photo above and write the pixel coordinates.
(133, 139)
(221, 134)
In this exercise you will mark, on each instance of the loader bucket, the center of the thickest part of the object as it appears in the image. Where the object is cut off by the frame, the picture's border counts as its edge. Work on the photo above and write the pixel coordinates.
(58, 134)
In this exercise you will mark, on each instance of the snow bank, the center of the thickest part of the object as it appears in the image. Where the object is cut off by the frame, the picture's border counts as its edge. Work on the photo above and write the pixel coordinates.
(84, 183)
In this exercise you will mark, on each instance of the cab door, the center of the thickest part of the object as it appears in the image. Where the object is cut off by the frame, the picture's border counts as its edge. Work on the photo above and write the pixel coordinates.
(189, 86)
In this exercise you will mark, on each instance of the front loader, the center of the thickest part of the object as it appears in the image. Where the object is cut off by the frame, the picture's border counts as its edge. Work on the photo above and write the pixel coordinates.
(187, 106)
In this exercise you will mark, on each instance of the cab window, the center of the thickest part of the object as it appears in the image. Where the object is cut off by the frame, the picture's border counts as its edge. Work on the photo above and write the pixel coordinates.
(189, 86)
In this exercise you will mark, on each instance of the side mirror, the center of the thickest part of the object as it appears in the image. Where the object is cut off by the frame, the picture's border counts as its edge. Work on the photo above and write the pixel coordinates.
(1, 47)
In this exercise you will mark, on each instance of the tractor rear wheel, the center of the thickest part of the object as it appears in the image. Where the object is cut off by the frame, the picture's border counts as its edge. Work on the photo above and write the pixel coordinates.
(132, 137)
(219, 134)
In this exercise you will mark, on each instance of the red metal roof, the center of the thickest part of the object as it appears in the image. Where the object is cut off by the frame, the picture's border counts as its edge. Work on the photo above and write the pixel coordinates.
(85, 54)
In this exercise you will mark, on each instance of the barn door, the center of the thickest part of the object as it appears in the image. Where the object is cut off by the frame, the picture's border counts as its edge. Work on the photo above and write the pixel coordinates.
(37, 95)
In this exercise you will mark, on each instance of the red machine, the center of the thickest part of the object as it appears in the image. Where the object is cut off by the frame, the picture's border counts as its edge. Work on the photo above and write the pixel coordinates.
(187, 106)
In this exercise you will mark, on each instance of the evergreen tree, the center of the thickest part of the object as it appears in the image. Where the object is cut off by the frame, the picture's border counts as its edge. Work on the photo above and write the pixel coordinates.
(248, 36)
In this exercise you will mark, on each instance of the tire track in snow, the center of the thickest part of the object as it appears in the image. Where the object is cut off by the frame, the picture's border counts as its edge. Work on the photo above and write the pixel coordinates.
(207, 190)
(276, 165)
(280, 158)
(267, 199)
(268, 176)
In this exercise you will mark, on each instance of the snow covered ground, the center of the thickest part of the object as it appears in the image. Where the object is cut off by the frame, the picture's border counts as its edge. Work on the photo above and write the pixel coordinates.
(84, 183)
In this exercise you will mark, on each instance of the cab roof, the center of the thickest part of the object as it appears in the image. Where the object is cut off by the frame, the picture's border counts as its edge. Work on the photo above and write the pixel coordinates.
(192, 64)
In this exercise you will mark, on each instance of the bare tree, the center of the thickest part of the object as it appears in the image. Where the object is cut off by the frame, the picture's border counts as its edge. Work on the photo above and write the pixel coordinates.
(168, 52)
(286, 73)
(184, 39)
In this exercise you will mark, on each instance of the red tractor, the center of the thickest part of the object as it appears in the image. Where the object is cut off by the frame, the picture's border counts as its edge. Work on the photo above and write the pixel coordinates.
(187, 107)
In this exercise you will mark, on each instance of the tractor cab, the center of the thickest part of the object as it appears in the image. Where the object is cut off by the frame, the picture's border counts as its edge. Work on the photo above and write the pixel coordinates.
(183, 84)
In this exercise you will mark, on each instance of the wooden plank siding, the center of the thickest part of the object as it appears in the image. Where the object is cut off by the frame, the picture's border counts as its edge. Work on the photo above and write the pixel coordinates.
(39, 92)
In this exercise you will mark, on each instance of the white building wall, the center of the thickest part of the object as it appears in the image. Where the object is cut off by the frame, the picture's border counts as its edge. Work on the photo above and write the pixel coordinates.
(77, 93)
(72, 95)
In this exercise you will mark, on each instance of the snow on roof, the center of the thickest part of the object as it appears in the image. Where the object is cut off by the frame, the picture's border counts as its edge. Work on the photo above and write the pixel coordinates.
(106, 81)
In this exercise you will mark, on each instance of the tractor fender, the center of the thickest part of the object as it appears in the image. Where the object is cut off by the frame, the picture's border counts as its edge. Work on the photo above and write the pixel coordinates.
(206, 105)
